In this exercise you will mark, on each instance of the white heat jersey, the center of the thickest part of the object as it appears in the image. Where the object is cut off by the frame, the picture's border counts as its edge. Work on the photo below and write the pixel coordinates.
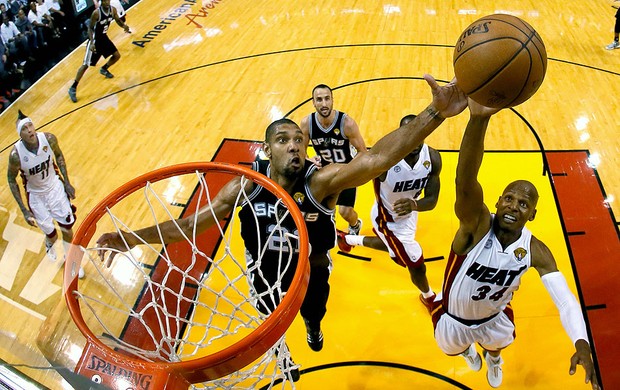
(480, 284)
(38, 169)
(404, 181)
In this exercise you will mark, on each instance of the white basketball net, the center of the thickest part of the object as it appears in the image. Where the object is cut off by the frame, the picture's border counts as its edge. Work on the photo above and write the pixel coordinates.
(189, 310)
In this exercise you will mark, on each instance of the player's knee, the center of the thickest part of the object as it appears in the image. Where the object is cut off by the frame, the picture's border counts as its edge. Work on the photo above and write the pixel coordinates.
(348, 213)
(319, 262)
(66, 228)
(417, 269)
(67, 234)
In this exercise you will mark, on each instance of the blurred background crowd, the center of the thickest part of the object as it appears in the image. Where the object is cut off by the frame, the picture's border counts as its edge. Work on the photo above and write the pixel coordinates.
(34, 36)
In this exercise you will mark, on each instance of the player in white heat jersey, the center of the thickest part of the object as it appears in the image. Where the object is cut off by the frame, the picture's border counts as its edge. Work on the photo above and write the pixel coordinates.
(490, 253)
(38, 159)
(481, 283)
(395, 212)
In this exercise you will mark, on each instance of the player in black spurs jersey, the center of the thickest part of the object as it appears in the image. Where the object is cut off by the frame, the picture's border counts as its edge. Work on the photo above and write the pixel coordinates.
(314, 190)
(336, 138)
(99, 44)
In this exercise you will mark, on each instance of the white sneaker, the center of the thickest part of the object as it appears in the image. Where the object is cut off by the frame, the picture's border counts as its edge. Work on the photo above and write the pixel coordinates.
(613, 45)
(355, 230)
(50, 251)
(472, 357)
(81, 273)
(494, 369)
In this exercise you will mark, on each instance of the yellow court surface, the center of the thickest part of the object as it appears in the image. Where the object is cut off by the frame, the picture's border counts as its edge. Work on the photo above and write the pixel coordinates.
(197, 75)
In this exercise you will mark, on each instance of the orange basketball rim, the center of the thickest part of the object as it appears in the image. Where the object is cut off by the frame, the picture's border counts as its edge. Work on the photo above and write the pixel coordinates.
(179, 375)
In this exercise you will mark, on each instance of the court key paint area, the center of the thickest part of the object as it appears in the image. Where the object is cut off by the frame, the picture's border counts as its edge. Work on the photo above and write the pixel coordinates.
(354, 324)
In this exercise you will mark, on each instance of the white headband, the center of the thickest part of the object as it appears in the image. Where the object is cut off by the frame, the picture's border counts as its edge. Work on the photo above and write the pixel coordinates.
(21, 124)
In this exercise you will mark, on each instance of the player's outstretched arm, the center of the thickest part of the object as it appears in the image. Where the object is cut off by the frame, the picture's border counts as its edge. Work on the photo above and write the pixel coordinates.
(174, 230)
(473, 215)
(448, 100)
(570, 311)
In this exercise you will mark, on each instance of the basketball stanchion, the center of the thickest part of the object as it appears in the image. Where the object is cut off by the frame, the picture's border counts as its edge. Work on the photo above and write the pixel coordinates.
(181, 315)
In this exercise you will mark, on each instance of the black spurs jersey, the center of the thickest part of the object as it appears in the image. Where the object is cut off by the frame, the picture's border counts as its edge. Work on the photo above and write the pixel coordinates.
(103, 23)
(261, 232)
(330, 143)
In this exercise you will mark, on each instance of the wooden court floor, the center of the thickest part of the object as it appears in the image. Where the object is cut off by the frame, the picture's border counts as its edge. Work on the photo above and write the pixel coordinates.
(193, 74)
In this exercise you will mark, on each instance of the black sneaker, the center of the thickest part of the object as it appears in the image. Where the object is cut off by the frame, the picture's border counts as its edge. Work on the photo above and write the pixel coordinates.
(291, 373)
(288, 367)
(106, 73)
(314, 337)
(73, 94)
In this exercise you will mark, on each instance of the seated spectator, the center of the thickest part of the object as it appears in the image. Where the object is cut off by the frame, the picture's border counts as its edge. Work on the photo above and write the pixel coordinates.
(55, 11)
(15, 5)
(42, 23)
(16, 43)
(5, 11)
(43, 10)
(9, 79)
(4, 76)
(26, 29)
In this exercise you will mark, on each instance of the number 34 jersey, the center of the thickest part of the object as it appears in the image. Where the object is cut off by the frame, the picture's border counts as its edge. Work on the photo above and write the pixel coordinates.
(481, 283)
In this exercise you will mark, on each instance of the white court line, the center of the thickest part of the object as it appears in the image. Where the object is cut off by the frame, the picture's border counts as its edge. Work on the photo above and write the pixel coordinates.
(23, 308)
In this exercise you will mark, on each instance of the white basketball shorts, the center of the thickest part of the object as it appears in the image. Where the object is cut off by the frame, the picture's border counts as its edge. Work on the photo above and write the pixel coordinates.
(51, 205)
(453, 337)
(399, 237)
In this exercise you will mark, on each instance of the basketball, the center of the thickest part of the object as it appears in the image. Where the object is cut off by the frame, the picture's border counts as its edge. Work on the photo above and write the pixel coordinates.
(500, 61)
